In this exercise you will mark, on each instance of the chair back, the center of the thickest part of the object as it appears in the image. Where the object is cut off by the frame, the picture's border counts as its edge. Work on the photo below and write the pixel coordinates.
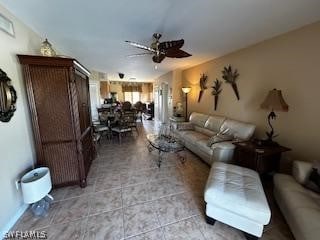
(126, 106)
(138, 106)
(130, 118)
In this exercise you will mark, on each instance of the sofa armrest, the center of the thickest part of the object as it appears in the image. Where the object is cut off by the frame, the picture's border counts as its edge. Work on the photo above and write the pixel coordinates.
(301, 171)
(227, 145)
(223, 151)
(183, 126)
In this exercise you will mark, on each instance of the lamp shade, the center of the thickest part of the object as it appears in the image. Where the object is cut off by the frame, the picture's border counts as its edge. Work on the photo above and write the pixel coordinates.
(36, 184)
(186, 89)
(275, 102)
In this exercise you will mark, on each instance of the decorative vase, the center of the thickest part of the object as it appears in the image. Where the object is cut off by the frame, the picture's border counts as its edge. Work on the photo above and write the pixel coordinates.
(47, 50)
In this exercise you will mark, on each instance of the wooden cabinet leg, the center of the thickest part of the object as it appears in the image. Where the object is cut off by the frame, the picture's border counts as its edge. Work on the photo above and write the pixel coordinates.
(83, 183)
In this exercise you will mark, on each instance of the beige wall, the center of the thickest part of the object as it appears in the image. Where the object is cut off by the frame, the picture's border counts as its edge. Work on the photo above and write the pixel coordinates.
(118, 89)
(16, 138)
(290, 62)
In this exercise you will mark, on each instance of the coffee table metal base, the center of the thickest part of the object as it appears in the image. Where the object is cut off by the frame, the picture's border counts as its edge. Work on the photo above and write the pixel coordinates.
(181, 154)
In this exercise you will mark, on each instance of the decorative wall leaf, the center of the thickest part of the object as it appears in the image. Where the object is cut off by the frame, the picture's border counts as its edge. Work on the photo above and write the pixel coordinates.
(216, 90)
(203, 85)
(231, 77)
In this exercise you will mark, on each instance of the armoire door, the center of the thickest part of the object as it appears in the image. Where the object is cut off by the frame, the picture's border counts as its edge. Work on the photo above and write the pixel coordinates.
(83, 96)
(82, 85)
(57, 147)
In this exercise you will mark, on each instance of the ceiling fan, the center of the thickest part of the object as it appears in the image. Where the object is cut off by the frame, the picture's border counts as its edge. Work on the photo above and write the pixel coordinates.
(160, 50)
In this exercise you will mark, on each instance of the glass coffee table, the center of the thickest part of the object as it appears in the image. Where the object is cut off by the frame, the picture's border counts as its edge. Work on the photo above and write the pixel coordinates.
(164, 145)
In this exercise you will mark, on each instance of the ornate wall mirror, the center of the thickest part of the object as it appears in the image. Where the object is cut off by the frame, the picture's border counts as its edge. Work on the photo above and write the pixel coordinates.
(8, 98)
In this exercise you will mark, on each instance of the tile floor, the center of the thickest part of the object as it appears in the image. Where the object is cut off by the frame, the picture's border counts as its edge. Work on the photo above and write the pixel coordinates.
(129, 197)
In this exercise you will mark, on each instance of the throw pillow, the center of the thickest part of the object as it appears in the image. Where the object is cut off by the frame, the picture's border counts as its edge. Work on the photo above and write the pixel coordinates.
(316, 165)
(313, 182)
(185, 126)
(219, 137)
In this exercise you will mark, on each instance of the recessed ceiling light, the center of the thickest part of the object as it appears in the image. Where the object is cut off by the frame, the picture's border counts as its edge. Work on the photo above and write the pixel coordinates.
(132, 78)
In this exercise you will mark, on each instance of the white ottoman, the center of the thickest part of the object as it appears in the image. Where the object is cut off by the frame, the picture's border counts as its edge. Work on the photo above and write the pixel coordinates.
(234, 195)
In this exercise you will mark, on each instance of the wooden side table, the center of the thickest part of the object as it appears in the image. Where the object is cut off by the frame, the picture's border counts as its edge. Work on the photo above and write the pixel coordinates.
(263, 159)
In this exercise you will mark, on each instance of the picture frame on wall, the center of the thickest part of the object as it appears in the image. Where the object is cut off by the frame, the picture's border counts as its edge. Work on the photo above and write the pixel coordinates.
(6, 25)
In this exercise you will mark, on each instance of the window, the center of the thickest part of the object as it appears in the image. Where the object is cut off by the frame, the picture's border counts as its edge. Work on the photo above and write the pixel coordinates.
(135, 97)
(132, 97)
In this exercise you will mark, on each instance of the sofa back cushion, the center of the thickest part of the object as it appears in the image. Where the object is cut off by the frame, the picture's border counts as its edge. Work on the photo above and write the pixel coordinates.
(301, 171)
(214, 123)
(239, 130)
(198, 119)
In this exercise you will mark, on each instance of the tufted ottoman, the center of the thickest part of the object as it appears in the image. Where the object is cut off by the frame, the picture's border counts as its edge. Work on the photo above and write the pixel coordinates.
(234, 196)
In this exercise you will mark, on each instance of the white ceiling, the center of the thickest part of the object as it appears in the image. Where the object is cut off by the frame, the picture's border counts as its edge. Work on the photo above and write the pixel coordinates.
(94, 31)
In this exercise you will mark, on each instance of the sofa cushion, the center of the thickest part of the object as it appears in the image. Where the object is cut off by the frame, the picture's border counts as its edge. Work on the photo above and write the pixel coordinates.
(285, 182)
(238, 190)
(194, 137)
(183, 126)
(202, 144)
(198, 119)
(239, 130)
(214, 123)
(205, 131)
(300, 207)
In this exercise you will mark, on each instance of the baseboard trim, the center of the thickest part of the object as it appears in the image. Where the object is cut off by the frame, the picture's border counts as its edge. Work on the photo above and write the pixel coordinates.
(13, 220)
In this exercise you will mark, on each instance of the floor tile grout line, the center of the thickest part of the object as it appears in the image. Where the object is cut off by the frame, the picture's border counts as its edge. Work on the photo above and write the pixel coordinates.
(152, 200)
(161, 228)
(123, 219)
(61, 223)
(199, 227)
(54, 214)
(85, 228)
(140, 233)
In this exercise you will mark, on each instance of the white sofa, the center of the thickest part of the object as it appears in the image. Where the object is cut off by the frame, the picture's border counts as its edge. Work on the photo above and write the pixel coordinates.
(300, 206)
(205, 126)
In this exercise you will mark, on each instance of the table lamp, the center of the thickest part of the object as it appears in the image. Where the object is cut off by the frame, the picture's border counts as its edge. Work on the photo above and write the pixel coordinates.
(36, 186)
(186, 90)
(274, 102)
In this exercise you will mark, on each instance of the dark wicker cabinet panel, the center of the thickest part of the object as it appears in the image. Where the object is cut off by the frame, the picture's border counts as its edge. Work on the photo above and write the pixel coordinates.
(51, 97)
(58, 94)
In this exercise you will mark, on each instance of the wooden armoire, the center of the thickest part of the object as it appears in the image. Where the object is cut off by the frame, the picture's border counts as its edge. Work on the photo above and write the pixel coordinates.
(59, 101)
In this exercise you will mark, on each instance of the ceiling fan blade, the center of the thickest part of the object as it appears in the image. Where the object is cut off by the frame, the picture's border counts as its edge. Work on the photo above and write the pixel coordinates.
(176, 53)
(138, 45)
(171, 44)
(139, 54)
(158, 58)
